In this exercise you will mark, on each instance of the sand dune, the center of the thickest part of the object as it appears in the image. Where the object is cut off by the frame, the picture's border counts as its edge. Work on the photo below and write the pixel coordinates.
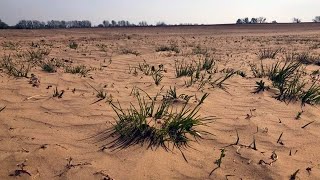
(47, 131)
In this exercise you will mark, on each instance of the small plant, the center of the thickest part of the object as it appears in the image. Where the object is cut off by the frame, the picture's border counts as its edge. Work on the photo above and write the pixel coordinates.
(73, 45)
(286, 79)
(172, 96)
(241, 73)
(306, 58)
(298, 116)
(57, 93)
(268, 53)
(183, 69)
(208, 64)
(260, 86)
(49, 67)
(36, 56)
(80, 69)
(10, 45)
(171, 47)
(190, 82)
(129, 51)
(156, 126)
(157, 77)
(294, 175)
(311, 96)
(218, 162)
(199, 50)
(16, 68)
(220, 81)
(258, 72)
(146, 68)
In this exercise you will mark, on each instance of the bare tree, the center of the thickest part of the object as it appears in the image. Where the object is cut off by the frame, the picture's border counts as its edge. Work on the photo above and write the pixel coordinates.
(261, 20)
(296, 20)
(3, 25)
(316, 19)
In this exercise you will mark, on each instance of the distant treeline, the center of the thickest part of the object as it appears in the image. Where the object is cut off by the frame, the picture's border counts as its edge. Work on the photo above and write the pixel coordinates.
(54, 24)
(261, 20)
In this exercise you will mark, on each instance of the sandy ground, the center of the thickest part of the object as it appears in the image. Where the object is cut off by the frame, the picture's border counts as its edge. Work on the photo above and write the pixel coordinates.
(47, 131)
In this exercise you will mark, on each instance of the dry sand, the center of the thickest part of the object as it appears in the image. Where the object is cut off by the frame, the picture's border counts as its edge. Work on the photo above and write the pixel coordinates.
(47, 131)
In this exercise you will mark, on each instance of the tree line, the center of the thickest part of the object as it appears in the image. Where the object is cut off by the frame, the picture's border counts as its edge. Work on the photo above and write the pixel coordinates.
(261, 20)
(54, 24)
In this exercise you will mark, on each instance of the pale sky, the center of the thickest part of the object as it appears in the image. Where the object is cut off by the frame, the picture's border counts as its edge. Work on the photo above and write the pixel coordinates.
(152, 11)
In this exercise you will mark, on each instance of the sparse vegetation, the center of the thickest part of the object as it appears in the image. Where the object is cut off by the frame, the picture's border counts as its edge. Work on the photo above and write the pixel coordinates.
(156, 126)
(16, 68)
(129, 51)
(268, 53)
(260, 86)
(171, 47)
(80, 69)
(73, 45)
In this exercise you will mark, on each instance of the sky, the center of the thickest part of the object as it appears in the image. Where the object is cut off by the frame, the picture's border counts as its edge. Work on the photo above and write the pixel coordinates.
(153, 11)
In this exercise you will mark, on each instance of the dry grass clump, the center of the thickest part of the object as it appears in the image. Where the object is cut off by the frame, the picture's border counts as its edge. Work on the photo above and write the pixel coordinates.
(268, 53)
(129, 51)
(73, 45)
(172, 47)
(307, 58)
(199, 50)
(79, 69)
(15, 67)
(156, 125)
(36, 56)
(10, 45)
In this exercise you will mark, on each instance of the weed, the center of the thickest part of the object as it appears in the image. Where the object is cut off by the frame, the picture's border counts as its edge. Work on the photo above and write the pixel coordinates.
(268, 53)
(199, 50)
(287, 80)
(36, 56)
(157, 77)
(156, 126)
(129, 51)
(80, 69)
(172, 96)
(73, 45)
(260, 86)
(10, 45)
(312, 95)
(15, 68)
(101, 94)
(49, 67)
(298, 116)
(222, 155)
(184, 69)
(171, 47)
(258, 72)
(306, 58)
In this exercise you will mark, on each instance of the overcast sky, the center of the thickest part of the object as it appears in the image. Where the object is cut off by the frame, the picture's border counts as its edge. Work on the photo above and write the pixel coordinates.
(152, 11)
